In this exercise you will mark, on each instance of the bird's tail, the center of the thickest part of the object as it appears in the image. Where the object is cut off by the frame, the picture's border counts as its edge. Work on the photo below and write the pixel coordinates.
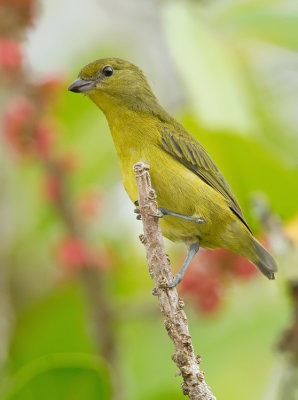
(265, 262)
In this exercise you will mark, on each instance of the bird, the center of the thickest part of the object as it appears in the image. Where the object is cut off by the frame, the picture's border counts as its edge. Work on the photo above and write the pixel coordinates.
(196, 203)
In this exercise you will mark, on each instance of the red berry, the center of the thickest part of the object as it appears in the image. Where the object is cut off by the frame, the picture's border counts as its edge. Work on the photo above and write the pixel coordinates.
(18, 124)
(68, 162)
(91, 205)
(74, 254)
(10, 54)
(48, 90)
(43, 137)
(209, 302)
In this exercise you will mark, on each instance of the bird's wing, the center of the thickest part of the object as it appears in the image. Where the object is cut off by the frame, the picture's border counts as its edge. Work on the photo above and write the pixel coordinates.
(185, 148)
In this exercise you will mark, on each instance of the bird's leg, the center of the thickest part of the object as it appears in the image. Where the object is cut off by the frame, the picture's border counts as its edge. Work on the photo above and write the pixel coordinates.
(163, 211)
(194, 248)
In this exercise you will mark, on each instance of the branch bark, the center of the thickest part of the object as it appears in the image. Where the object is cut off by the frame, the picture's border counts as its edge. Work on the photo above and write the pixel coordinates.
(171, 306)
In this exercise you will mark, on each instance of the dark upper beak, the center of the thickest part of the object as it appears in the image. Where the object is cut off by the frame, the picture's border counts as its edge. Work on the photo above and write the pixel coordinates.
(80, 85)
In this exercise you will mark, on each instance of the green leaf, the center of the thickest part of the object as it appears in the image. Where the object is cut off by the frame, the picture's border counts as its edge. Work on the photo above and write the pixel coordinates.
(54, 324)
(274, 25)
(61, 377)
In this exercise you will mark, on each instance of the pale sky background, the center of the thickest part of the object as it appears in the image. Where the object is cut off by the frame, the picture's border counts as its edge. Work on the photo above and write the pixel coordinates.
(67, 31)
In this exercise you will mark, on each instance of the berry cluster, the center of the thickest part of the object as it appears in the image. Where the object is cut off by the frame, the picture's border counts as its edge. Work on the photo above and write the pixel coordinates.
(208, 275)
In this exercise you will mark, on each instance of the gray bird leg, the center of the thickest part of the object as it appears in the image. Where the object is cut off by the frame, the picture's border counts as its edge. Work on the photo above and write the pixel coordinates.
(163, 211)
(194, 248)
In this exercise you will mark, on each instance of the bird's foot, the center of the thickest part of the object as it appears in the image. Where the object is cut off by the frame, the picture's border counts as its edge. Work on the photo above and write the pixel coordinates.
(138, 212)
(159, 214)
(177, 279)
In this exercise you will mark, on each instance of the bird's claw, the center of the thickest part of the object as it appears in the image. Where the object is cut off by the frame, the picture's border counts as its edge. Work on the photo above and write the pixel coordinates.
(159, 214)
(177, 279)
(137, 211)
(171, 285)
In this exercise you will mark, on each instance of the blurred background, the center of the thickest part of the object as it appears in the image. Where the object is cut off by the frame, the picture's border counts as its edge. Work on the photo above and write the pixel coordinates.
(77, 319)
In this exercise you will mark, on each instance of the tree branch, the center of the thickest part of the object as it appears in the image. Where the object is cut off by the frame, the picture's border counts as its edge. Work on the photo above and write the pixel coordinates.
(171, 306)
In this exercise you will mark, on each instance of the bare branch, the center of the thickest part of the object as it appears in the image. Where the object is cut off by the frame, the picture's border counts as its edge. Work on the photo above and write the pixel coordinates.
(171, 306)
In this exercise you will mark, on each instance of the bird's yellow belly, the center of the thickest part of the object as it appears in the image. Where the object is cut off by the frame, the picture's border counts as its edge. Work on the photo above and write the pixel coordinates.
(180, 190)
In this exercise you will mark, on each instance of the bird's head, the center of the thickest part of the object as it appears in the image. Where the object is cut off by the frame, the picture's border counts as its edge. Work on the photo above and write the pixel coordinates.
(116, 81)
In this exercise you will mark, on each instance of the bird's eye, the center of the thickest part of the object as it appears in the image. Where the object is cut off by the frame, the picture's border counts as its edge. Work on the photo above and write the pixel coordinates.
(108, 71)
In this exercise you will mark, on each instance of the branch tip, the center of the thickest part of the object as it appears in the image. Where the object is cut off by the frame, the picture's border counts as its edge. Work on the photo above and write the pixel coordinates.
(140, 167)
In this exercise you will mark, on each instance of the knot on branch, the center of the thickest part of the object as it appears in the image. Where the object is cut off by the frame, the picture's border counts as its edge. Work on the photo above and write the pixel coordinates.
(180, 304)
(180, 359)
(152, 194)
(201, 376)
(169, 326)
(185, 389)
(162, 281)
(186, 370)
(186, 340)
(143, 239)
(198, 359)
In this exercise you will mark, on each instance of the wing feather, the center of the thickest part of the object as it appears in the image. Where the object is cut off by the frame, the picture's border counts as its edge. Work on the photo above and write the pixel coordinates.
(186, 149)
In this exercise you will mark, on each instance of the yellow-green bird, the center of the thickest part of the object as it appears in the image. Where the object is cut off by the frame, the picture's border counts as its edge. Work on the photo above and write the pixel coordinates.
(196, 201)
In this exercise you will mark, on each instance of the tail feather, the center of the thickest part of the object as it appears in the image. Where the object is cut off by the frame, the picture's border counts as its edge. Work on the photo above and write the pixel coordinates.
(266, 263)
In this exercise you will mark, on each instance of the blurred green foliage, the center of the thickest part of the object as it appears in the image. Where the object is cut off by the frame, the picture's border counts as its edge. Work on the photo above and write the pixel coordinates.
(51, 352)
(232, 58)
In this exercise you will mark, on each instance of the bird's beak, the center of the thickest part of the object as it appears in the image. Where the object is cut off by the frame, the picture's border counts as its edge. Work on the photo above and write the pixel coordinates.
(80, 85)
